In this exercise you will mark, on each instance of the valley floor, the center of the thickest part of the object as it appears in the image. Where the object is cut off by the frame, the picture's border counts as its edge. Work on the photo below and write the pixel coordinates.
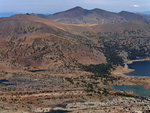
(39, 92)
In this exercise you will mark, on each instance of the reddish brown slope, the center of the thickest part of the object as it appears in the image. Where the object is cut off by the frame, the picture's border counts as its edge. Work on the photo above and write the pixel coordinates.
(30, 43)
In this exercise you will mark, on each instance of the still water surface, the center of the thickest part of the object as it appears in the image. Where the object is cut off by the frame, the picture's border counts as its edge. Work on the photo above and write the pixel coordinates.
(138, 90)
(141, 68)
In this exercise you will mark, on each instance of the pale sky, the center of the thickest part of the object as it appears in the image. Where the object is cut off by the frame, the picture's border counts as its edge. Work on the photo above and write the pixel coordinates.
(53, 6)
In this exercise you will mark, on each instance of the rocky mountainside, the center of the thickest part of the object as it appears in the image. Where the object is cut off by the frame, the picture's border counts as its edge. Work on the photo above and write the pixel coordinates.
(37, 44)
(79, 15)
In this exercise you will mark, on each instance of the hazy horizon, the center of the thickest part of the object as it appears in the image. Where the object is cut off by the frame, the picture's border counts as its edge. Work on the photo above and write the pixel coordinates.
(7, 14)
(53, 6)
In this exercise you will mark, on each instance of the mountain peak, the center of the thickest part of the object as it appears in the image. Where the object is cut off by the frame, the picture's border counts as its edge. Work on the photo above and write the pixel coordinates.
(77, 8)
(97, 9)
(125, 12)
(74, 12)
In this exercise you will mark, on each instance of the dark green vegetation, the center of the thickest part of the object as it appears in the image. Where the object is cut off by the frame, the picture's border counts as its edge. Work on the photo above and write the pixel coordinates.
(118, 47)
(130, 44)
(126, 44)
(101, 69)
(41, 70)
(102, 72)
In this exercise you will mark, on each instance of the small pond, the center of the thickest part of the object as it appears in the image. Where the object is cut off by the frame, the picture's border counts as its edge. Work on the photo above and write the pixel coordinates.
(139, 90)
(58, 111)
(5, 82)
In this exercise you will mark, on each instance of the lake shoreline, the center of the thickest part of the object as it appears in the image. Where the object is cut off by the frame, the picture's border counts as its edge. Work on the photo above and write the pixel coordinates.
(131, 61)
(131, 80)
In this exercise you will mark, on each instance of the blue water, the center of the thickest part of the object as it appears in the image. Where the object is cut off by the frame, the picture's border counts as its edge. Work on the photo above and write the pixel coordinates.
(5, 82)
(141, 68)
(58, 111)
(138, 90)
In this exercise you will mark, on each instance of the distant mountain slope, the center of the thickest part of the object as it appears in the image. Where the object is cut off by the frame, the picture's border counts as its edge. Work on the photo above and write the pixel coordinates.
(128, 16)
(79, 15)
(32, 43)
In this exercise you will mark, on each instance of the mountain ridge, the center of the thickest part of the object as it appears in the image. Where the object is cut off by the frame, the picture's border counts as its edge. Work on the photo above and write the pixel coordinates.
(79, 15)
